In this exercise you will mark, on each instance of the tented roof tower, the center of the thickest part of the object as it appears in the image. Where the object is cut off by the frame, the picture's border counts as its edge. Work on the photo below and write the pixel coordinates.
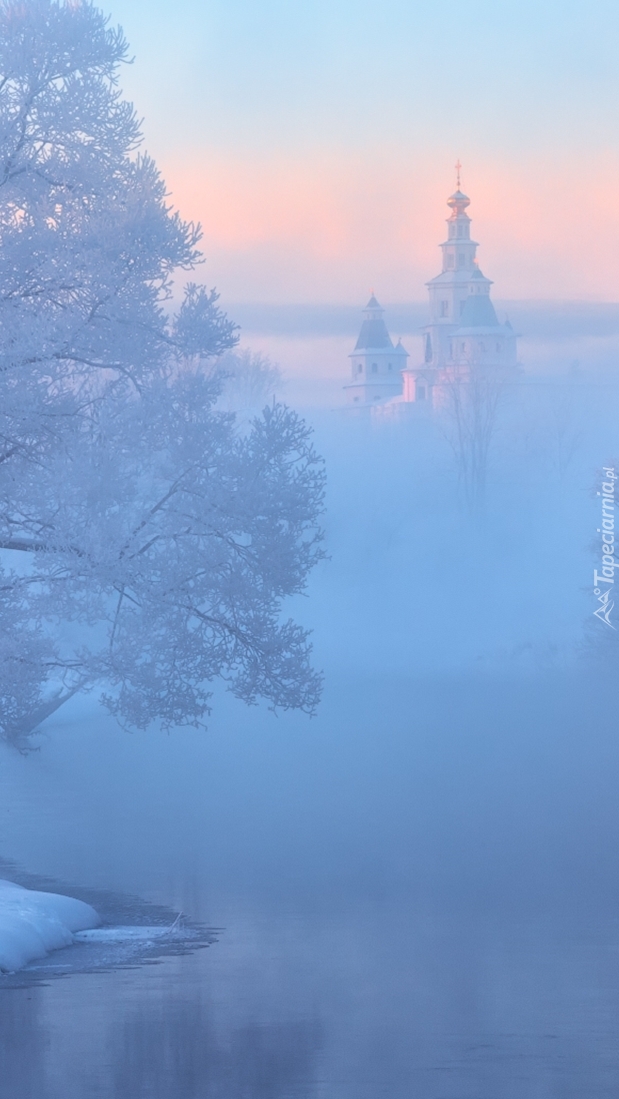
(376, 364)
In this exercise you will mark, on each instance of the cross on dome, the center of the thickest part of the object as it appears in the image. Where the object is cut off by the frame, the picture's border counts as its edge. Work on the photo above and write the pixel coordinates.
(458, 201)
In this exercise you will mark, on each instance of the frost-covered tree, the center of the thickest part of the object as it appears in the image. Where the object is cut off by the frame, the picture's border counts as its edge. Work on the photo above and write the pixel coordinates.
(146, 544)
(249, 380)
(471, 402)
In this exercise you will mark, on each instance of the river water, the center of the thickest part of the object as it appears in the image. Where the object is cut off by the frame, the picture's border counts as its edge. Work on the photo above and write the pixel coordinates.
(416, 895)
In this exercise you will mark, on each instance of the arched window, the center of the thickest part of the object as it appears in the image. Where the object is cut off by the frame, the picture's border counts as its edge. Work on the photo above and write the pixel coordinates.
(428, 354)
(420, 390)
(360, 368)
(388, 366)
(374, 368)
(444, 309)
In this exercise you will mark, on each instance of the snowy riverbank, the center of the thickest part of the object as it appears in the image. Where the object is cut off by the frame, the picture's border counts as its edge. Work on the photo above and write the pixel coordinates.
(33, 923)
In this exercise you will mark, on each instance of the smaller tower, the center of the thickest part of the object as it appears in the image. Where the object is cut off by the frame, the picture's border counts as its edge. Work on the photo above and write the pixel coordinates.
(376, 364)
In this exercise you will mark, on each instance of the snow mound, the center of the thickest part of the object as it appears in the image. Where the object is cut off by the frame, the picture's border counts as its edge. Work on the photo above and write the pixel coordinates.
(33, 923)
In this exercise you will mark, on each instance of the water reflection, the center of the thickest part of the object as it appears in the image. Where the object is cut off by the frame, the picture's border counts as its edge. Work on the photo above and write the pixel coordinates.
(174, 1049)
(412, 906)
(357, 1005)
(23, 1043)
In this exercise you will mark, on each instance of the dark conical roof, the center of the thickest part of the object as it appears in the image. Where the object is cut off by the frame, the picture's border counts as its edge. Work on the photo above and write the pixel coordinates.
(373, 303)
(479, 312)
(373, 334)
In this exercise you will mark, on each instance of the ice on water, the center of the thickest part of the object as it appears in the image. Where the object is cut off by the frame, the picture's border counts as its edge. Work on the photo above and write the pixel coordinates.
(123, 934)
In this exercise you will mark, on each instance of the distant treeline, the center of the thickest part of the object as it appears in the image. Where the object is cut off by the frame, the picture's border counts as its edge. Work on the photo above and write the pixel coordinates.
(534, 319)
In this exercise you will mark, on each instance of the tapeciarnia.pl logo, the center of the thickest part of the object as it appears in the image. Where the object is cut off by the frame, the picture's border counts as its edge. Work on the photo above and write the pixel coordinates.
(609, 564)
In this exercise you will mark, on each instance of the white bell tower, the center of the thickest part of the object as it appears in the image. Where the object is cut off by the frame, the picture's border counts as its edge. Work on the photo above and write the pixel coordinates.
(459, 278)
(463, 330)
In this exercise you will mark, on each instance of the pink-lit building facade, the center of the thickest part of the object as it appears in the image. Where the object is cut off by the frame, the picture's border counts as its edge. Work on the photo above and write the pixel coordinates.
(463, 333)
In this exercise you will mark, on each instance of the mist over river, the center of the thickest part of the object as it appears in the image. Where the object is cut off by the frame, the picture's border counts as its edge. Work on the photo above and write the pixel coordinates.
(418, 896)
(416, 891)
(309, 394)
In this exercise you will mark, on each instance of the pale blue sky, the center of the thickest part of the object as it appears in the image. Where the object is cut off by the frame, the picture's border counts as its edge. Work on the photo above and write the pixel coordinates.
(316, 142)
(351, 72)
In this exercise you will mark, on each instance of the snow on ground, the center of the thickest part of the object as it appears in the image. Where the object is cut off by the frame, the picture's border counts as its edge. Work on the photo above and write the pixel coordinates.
(33, 923)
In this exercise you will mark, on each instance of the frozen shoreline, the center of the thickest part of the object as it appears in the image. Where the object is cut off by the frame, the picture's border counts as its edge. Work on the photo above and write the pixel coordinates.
(34, 923)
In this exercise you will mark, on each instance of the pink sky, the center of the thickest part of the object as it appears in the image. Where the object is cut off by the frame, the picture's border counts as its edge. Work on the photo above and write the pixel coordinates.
(316, 142)
(327, 228)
